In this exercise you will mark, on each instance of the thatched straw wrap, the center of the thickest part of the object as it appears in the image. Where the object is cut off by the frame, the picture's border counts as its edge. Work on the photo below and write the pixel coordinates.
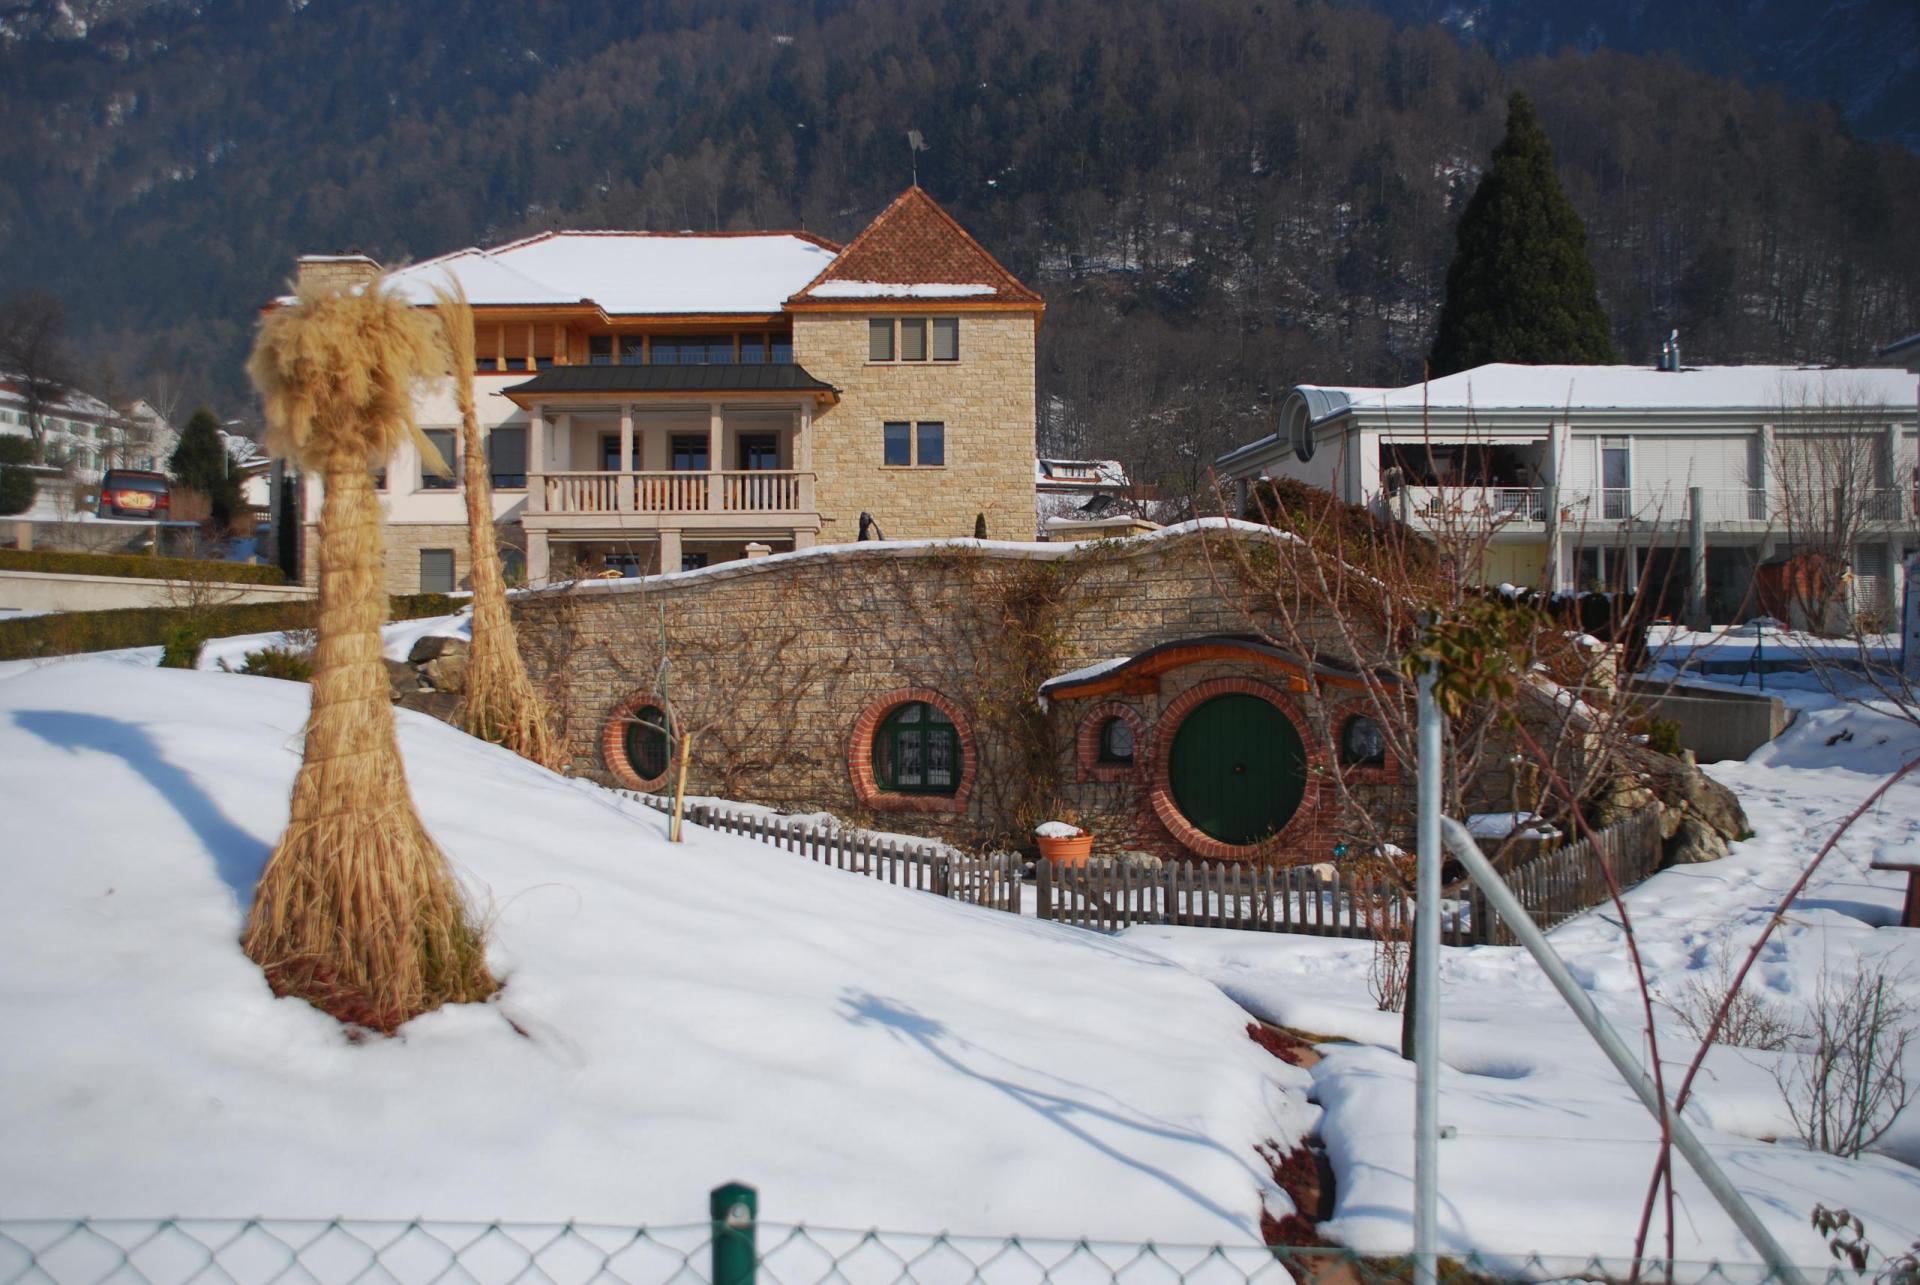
(357, 911)
(501, 703)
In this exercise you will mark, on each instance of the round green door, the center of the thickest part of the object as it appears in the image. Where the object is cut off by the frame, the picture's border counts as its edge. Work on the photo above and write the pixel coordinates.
(1238, 768)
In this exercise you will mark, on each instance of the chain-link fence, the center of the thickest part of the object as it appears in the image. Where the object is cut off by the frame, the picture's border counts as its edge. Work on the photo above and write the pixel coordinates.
(730, 1250)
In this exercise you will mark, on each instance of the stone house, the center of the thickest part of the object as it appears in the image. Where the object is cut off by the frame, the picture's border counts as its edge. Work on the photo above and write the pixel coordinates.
(666, 401)
(882, 679)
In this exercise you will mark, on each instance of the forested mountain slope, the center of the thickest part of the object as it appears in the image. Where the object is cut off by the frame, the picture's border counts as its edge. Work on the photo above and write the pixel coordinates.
(1863, 55)
(1218, 198)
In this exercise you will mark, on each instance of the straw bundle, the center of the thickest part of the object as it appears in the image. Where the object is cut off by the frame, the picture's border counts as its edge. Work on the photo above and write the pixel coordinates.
(501, 704)
(357, 911)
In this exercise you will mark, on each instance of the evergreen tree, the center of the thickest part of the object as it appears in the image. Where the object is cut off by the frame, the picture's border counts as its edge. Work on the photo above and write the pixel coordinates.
(17, 486)
(1521, 287)
(200, 461)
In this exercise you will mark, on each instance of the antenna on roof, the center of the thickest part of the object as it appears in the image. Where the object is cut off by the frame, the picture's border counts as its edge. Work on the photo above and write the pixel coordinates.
(915, 146)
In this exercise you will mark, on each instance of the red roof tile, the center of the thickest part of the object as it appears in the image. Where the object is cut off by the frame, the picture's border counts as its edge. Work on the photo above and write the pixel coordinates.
(914, 242)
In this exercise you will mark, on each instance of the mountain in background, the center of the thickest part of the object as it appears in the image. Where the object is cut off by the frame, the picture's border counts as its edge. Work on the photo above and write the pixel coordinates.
(1861, 55)
(1218, 198)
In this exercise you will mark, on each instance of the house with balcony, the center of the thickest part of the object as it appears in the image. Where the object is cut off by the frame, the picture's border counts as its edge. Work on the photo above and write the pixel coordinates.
(665, 400)
(1589, 476)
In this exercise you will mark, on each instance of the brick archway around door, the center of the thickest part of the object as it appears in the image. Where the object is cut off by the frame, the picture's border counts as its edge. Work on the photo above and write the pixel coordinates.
(1301, 828)
(860, 755)
(613, 744)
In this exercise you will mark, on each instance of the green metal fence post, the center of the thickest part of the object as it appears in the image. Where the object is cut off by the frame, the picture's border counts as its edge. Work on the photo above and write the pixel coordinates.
(734, 1208)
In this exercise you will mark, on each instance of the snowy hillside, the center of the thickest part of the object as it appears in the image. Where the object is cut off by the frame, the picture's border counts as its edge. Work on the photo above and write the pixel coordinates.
(673, 1017)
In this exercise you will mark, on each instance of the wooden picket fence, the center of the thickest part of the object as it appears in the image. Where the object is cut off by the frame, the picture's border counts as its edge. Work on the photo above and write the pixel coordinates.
(1555, 886)
(945, 871)
(1108, 896)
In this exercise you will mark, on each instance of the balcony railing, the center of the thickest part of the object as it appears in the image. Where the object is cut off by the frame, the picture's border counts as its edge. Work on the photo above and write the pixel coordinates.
(1496, 504)
(666, 493)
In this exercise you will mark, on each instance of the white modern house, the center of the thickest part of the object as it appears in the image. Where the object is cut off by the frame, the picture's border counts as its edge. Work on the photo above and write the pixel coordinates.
(1583, 476)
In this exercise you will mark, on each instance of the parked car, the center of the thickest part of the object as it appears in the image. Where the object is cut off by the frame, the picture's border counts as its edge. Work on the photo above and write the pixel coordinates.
(135, 493)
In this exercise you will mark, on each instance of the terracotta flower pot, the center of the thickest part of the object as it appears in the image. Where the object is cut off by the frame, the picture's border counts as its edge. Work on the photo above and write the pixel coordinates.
(1072, 851)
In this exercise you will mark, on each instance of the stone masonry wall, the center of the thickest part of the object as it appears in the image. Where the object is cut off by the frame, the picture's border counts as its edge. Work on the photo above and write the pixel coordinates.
(782, 668)
(985, 399)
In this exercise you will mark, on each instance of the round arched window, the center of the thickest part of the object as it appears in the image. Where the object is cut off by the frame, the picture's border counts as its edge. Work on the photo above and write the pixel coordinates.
(646, 742)
(1116, 741)
(916, 750)
(1362, 742)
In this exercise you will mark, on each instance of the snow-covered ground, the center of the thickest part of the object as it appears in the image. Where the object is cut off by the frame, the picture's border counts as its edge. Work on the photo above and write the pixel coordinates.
(1552, 1153)
(866, 1055)
(673, 1016)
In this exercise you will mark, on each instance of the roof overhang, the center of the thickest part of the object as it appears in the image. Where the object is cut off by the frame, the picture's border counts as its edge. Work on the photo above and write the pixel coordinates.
(1140, 674)
(782, 381)
(1905, 351)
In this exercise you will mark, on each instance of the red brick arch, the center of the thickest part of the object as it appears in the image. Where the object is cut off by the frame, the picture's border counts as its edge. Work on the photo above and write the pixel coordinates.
(1087, 743)
(613, 744)
(1300, 827)
(860, 755)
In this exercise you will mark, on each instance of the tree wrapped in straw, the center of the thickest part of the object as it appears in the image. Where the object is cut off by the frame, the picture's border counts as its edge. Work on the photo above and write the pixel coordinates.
(501, 703)
(357, 911)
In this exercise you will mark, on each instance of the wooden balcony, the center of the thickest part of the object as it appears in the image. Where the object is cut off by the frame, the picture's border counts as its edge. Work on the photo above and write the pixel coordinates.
(728, 495)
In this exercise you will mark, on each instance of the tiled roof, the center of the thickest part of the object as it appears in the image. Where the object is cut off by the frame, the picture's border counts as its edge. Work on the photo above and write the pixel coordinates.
(740, 378)
(915, 249)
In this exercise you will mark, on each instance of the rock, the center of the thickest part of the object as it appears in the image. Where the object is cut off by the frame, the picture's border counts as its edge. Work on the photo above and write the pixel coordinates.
(1129, 859)
(432, 648)
(1716, 805)
(1694, 842)
(441, 705)
(447, 672)
(402, 679)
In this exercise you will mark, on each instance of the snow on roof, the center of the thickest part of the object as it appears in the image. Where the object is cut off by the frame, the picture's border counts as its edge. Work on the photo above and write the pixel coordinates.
(1504, 386)
(899, 290)
(630, 272)
(70, 402)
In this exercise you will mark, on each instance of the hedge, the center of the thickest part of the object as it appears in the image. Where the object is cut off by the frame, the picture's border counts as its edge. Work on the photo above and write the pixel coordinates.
(70, 633)
(138, 566)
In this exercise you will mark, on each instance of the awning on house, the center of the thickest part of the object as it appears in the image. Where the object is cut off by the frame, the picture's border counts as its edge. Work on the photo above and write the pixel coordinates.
(561, 382)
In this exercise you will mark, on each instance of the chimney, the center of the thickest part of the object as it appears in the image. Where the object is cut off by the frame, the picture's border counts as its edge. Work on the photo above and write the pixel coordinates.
(340, 270)
(1670, 351)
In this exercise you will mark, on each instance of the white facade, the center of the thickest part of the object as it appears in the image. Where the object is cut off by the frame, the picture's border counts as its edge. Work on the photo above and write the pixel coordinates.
(1585, 473)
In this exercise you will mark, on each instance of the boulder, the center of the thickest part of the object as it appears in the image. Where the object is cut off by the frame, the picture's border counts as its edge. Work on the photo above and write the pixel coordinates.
(447, 672)
(402, 679)
(434, 647)
(1695, 841)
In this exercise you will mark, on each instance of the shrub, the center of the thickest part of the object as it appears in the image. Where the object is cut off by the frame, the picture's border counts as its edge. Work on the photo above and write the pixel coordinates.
(1753, 1020)
(70, 633)
(291, 663)
(180, 646)
(138, 566)
(1846, 1093)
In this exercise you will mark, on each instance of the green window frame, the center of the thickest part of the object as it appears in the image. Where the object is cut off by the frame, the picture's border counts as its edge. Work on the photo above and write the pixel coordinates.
(916, 750)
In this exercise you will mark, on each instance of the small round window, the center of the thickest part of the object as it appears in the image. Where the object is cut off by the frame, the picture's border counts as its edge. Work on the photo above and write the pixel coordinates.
(1116, 741)
(917, 751)
(1362, 742)
(646, 742)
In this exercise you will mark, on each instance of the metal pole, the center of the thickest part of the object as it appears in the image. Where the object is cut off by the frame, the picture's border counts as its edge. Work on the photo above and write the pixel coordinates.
(1505, 905)
(1696, 560)
(734, 1208)
(1426, 992)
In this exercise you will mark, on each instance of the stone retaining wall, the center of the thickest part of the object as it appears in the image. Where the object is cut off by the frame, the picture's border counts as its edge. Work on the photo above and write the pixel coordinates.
(782, 668)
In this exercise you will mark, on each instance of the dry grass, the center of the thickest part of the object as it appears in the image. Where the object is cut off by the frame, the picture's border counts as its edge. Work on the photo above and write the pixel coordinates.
(501, 703)
(357, 911)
